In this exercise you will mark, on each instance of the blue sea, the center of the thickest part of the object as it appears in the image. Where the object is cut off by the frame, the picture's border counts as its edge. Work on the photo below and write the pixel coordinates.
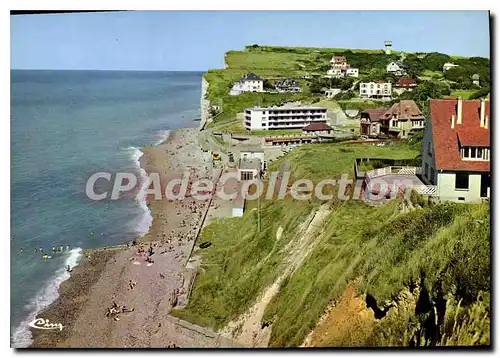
(66, 125)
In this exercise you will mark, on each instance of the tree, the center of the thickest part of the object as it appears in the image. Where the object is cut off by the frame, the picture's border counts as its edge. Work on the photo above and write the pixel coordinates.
(267, 84)
(414, 64)
(347, 95)
(483, 92)
(434, 61)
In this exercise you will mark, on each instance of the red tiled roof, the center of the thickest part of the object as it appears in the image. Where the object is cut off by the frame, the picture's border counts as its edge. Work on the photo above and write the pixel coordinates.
(468, 133)
(406, 82)
(374, 114)
(317, 126)
(338, 59)
(404, 109)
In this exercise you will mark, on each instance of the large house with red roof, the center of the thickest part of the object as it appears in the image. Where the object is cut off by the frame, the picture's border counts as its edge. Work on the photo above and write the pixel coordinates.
(456, 149)
(397, 121)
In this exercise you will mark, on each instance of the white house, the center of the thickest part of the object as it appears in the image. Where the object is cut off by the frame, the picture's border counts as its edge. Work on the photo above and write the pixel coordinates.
(456, 149)
(332, 92)
(288, 117)
(448, 65)
(352, 72)
(397, 68)
(339, 62)
(249, 83)
(475, 79)
(340, 68)
(253, 153)
(375, 89)
(335, 73)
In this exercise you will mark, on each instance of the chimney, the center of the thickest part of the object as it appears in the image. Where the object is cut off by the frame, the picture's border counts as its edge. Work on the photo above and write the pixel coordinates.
(459, 110)
(452, 121)
(482, 113)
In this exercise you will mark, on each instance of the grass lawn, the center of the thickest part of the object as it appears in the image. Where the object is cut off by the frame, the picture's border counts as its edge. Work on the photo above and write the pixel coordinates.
(463, 93)
(384, 249)
(322, 161)
(233, 271)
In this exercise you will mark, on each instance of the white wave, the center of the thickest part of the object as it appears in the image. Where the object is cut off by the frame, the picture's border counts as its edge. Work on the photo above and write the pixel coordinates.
(147, 219)
(21, 338)
(163, 136)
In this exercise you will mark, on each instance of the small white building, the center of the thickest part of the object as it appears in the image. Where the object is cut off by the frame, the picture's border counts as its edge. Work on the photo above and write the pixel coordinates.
(475, 79)
(253, 153)
(448, 65)
(238, 202)
(249, 169)
(352, 72)
(335, 73)
(332, 92)
(375, 89)
(286, 117)
(397, 68)
(249, 83)
(456, 149)
(288, 85)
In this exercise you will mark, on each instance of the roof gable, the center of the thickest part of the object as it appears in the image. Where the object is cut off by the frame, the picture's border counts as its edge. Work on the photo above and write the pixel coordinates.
(447, 140)
(251, 77)
(404, 109)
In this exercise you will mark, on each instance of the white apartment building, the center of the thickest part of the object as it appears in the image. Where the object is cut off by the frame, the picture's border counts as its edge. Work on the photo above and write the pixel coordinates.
(375, 89)
(269, 118)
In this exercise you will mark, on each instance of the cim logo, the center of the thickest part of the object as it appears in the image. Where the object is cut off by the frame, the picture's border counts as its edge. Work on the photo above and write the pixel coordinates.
(40, 323)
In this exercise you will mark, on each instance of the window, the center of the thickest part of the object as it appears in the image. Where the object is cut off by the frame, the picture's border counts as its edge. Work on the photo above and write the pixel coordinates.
(246, 175)
(429, 148)
(462, 181)
(432, 175)
(426, 172)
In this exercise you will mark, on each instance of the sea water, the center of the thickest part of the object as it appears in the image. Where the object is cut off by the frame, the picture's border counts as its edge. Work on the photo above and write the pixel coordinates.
(65, 126)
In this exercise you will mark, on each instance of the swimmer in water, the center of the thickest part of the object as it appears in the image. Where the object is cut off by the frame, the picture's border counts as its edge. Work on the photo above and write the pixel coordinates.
(67, 247)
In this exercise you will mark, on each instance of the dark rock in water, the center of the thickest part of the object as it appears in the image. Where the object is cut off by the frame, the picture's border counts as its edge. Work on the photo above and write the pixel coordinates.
(197, 119)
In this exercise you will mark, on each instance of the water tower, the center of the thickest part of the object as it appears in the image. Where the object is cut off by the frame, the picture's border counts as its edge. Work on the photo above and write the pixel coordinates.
(388, 47)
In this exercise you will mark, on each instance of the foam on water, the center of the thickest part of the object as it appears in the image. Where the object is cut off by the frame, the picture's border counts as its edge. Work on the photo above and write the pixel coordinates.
(163, 136)
(147, 219)
(21, 337)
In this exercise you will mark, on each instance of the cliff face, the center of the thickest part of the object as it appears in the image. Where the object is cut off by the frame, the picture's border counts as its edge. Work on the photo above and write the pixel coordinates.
(204, 104)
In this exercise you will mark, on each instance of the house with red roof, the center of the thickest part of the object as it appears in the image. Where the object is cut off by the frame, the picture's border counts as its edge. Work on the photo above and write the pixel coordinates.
(456, 149)
(317, 127)
(404, 84)
(401, 119)
(370, 121)
(398, 121)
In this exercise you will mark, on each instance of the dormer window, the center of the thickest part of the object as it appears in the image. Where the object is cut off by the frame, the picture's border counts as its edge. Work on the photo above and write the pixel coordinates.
(475, 153)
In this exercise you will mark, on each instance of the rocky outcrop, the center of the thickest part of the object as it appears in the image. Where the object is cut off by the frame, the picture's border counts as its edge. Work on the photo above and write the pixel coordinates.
(204, 104)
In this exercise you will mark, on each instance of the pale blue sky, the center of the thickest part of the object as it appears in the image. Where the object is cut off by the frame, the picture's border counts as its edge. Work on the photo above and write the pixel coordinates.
(170, 40)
